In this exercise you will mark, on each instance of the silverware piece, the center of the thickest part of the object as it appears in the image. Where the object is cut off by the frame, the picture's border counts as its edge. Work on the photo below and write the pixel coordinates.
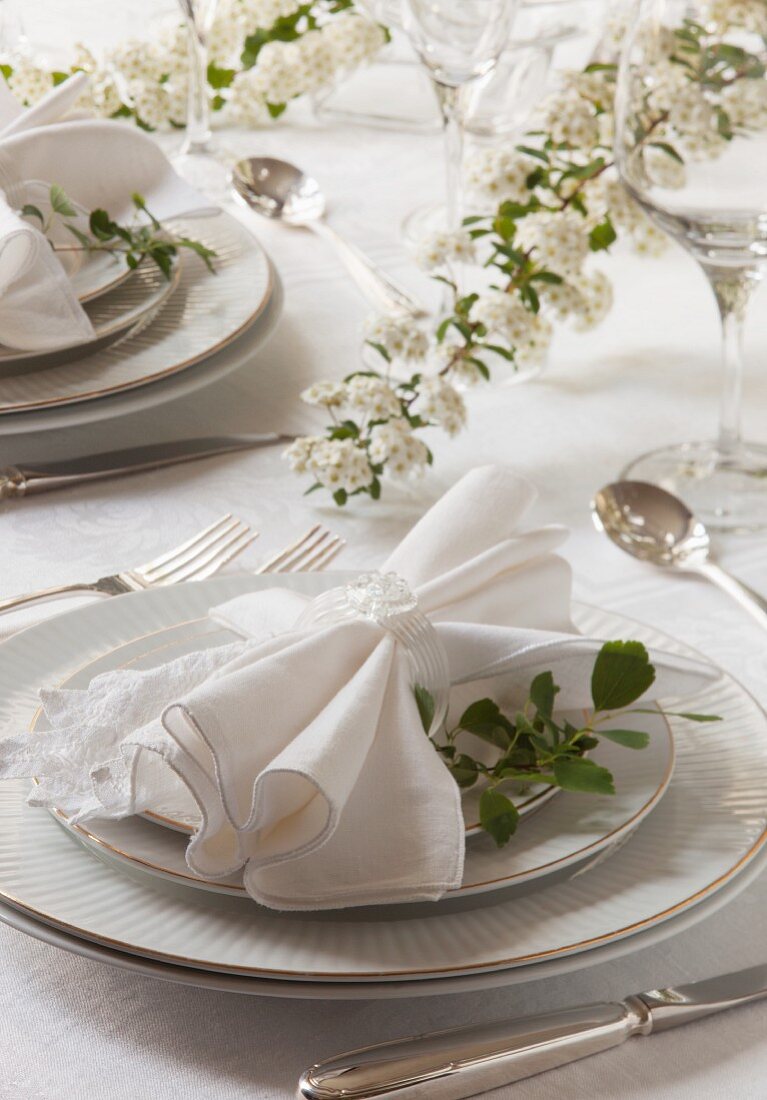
(20, 481)
(279, 190)
(308, 554)
(466, 1061)
(655, 526)
(194, 560)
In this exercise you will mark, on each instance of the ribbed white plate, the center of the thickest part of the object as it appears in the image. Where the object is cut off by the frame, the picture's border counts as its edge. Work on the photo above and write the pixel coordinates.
(206, 312)
(568, 832)
(709, 826)
(239, 354)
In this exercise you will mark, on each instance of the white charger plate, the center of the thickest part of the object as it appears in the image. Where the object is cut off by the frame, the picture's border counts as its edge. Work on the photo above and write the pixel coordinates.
(570, 832)
(239, 354)
(206, 312)
(709, 827)
(99, 273)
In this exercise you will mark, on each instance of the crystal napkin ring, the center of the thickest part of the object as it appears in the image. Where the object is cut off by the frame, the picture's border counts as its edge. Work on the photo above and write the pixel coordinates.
(386, 599)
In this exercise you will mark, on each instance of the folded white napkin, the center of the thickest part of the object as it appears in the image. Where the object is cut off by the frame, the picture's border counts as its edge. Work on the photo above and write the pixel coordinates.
(303, 747)
(98, 164)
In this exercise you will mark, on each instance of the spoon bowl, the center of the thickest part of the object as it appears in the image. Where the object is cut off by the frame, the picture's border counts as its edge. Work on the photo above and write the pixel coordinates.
(655, 526)
(278, 190)
(650, 523)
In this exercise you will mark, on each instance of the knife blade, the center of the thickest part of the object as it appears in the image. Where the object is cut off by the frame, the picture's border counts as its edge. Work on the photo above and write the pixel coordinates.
(20, 481)
(465, 1061)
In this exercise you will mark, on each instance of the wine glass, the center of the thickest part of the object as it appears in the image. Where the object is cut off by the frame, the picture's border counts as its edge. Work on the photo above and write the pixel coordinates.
(197, 159)
(459, 41)
(691, 148)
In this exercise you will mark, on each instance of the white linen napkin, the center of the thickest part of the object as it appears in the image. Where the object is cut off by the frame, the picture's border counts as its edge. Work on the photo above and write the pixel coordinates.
(303, 747)
(98, 164)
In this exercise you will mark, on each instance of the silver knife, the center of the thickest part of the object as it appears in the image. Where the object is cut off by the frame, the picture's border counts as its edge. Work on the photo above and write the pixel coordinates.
(466, 1061)
(20, 481)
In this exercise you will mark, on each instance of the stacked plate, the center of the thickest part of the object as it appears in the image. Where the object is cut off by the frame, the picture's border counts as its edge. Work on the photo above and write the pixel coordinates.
(156, 338)
(584, 879)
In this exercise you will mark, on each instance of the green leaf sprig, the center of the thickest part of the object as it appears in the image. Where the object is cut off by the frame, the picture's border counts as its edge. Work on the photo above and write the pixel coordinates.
(145, 238)
(534, 746)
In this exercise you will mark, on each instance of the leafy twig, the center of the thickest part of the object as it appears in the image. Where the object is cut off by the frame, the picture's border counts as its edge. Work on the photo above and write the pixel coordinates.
(536, 747)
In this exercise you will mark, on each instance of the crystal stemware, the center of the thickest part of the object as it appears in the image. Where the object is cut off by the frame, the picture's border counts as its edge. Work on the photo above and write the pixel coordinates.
(459, 41)
(197, 160)
(691, 147)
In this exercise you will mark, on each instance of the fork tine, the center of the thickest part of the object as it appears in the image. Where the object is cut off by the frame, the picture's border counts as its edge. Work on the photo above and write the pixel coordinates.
(163, 559)
(189, 557)
(323, 557)
(293, 564)
(213, 554)
(223, 557)
(272, 564)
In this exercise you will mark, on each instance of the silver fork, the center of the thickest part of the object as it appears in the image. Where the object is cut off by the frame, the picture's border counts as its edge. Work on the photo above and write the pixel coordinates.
(197, 558)
(308, 554)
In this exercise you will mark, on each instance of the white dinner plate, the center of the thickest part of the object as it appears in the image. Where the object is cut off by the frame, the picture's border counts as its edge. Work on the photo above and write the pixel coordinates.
(393, 990)
(710, 825)
(205, 314)
(99, 273)
(240, 353)
(570, 832)
(115, 315)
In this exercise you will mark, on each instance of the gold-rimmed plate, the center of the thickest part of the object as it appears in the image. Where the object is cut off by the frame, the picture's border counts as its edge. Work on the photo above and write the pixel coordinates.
(710, 826)
(569, 834)
(206, 312)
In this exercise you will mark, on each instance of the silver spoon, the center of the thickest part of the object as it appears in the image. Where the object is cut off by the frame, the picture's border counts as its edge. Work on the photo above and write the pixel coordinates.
(281, 191)
(655, 526)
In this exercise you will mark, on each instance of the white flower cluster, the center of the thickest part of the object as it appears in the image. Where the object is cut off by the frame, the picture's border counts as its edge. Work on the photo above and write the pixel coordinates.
(441, 403)
(441, 249)
(400, 337)
(150, 77)
(395, 444)
(335, 463)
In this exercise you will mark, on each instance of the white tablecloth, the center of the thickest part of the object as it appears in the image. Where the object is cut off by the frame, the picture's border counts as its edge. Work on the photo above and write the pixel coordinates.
(74, 1028)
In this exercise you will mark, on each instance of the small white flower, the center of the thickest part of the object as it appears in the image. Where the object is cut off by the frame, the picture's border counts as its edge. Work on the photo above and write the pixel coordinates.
(559, 240)
(329, 394)
(401, 337)
(340, 464)
(28, 82)
(532, 351)
(395, 444)
(596, 294)
(571, 119)
(441, 403)
(440, 249)
(745, 102)
(499, 174)
(299, 452)
(503, 315)
(373, 396)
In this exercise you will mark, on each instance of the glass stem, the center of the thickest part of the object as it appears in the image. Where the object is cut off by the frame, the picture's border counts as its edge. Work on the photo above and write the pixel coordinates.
(198, 135)
(449, 105)
(732, 290)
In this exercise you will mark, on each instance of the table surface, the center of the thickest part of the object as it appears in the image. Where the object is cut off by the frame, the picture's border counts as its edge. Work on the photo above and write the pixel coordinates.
(649, 375)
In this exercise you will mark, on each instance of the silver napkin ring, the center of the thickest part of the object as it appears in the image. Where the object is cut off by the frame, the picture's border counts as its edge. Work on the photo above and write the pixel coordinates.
(387, 600)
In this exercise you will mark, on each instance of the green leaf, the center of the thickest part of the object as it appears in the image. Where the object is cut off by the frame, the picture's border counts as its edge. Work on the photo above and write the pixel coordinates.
(529, 151)
(375, 489)
(101, 225)
(30, 211)
(484, 720)
(498, 816)
(276, 109)
(83, 238)
(340, 496)
(219, 78)
(602, 235)
(464, 770)
(60, 202)
(668, 149)
(505, 353)
(696, 717)
(424, 700)
(622, 672)
(380, 349)
(585, 171)
(578, 774)
(543, 692)
(630, 739)
(162, 259)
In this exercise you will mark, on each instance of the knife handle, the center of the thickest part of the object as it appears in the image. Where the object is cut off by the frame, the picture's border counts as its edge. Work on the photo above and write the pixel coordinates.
(12, 483)
(466, 1061)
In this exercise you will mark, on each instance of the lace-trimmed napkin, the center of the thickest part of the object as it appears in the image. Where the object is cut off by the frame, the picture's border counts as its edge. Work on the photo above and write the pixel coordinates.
(302, 745)
(98, 164)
